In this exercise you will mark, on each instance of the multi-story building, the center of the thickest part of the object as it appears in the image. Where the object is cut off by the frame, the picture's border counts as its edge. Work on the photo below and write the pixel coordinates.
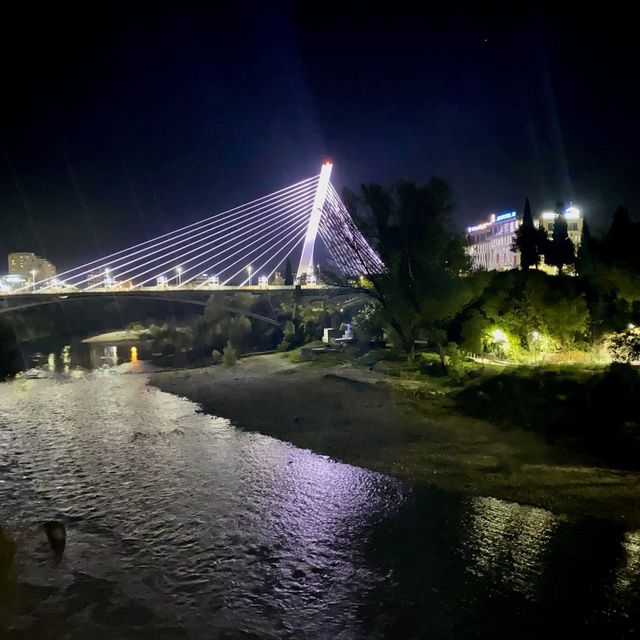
(490, 242)
(574, 223)
(30, 266)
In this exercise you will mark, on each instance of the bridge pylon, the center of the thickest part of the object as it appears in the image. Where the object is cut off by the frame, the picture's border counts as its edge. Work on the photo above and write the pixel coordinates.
(305, 268)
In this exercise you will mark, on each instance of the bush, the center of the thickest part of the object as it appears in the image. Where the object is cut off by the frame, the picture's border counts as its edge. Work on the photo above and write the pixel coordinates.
(229, 356)
(625, 346)
(430, 364)
(216, 356)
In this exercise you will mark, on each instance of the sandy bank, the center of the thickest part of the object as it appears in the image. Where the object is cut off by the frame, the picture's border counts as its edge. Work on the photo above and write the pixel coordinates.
(357, 416)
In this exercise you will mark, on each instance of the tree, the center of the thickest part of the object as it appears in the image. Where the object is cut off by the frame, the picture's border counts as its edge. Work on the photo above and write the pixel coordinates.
(428, 278)
(585, 256)
(620, 237)
(560, 251)
(529, 241)
(229, 355)
(288, 274)
(625, 346)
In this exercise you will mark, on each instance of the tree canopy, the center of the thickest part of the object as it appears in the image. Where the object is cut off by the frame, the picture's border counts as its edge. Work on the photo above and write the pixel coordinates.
(560, 250)
(530, 241)
(428, 276)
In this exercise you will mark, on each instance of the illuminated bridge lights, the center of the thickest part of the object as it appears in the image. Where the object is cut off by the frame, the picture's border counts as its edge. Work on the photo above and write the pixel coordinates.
(237, 246)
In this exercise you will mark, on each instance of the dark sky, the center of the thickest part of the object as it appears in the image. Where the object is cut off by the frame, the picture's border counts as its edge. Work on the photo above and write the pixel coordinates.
(127, 120)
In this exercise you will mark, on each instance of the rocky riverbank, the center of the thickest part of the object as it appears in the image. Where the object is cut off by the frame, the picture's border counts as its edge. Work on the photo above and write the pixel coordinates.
(365, 418)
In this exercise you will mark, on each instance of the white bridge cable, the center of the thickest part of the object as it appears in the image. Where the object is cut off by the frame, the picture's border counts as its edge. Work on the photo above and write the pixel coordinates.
(238, 220)
(346, 244)
(93, 264)
(300, 231)
(257, 230)
(299, 221)
(292, 205)
(329, 230)
(291, 248)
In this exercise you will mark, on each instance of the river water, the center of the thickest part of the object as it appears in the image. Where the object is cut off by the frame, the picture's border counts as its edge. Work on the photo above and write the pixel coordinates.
(180, 526)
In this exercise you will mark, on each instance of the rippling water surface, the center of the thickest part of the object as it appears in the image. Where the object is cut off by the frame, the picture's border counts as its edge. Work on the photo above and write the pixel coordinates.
(181, 526)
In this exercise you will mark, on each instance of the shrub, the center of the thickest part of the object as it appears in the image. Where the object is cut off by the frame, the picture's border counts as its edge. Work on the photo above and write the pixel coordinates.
(229, 356)
(625, 346)
(216, 356)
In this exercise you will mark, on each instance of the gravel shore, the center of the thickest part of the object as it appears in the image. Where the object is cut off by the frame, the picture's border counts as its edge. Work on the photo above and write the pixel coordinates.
(364, 418)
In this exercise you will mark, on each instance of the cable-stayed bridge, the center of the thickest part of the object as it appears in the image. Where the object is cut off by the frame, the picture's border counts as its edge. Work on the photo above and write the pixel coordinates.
(242, 248)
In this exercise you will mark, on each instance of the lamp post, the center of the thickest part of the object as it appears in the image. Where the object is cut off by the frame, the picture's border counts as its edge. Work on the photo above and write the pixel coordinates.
(33, 279)
(249, 270)
(179, 272)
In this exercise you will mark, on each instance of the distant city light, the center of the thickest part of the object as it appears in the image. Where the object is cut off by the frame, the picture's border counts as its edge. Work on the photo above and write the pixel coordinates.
(549, 215)
(572, 213)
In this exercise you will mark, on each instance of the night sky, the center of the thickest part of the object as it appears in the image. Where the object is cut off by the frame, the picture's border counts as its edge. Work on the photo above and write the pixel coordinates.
(123, 121)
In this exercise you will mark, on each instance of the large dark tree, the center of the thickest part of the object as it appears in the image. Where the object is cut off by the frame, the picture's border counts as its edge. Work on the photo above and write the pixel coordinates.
(529, 241)
(288, 273)
(586, 254)
(620, 237)
(560, 250)
(426, 281)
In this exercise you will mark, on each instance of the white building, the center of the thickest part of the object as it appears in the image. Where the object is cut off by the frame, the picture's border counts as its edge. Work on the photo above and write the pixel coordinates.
(574, 223)
(30, 266)
(490, 242)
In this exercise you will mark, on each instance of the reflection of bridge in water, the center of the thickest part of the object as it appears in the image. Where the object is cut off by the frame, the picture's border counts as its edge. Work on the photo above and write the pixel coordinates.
(224, 253)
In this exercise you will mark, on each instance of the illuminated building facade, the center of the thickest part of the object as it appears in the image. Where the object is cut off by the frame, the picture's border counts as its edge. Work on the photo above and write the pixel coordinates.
(490, 242)
(30, 266)
(574, 223)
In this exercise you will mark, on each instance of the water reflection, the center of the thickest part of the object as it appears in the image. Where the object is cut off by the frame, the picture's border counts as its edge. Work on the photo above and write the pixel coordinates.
(629, 572)
(181, 526)
(507, 542)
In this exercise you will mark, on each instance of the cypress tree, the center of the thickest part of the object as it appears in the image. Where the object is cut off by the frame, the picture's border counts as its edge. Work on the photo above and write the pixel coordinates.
(529, 240)
(585, 253)
(619, 238)
(288, 273)
(561, 251)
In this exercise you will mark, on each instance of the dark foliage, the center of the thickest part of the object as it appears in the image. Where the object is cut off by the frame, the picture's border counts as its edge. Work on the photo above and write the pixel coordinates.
(529, 241)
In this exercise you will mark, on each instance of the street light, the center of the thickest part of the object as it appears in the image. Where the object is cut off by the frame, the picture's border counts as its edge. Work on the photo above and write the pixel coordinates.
(249, 270)
(179, 272)
(33, 278)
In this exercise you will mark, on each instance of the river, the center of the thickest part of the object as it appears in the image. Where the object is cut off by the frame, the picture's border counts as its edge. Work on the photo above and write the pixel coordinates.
(180, 525)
